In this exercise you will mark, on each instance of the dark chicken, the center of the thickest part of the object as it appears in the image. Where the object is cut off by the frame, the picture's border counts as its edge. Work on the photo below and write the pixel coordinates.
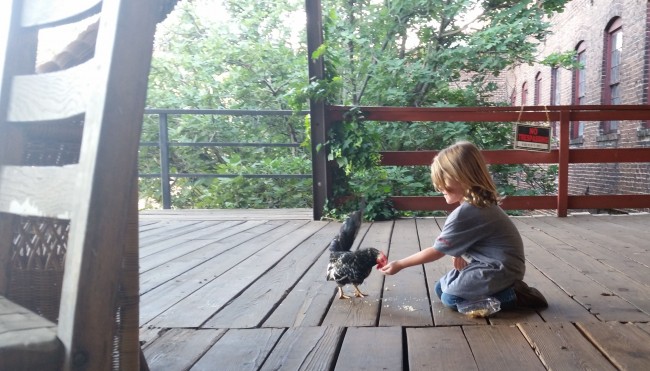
(351, 267)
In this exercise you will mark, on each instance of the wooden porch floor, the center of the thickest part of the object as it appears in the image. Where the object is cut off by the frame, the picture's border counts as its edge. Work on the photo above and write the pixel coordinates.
(247, 291)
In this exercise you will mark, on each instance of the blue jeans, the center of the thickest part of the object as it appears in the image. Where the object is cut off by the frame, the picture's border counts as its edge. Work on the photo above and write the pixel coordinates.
(507, 298)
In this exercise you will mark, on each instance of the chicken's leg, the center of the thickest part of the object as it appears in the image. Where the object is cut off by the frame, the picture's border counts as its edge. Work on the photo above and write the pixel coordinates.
(341, 294)
(358, 293)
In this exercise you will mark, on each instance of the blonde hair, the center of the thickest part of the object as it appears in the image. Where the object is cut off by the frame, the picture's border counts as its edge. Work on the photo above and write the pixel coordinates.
(464, 163)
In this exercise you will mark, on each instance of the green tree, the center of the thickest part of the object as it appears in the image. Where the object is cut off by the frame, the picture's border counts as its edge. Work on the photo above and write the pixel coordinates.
(397, 53)
(230, 55)
(422, 53)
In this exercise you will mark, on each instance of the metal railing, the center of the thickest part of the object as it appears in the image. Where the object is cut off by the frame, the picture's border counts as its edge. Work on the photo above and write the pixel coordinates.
(164, 144)
(562, 156)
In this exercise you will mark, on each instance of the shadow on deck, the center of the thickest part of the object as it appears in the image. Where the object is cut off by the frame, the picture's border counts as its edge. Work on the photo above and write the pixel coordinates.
(247, 291)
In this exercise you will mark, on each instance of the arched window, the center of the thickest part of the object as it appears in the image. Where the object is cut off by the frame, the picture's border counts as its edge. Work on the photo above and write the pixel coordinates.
(524, 94)
(579, 87)
(555, 86)
(537, 98)
(612, 75)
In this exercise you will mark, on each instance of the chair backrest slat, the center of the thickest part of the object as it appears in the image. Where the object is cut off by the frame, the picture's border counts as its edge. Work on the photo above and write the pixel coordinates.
(48, 12)
(52, 96)
(22, 190)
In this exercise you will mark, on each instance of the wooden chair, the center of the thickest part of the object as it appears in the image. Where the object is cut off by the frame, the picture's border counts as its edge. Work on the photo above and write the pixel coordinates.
(68, 188)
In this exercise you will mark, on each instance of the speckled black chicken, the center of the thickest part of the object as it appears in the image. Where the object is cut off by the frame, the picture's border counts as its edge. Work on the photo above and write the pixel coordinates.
(351, 267)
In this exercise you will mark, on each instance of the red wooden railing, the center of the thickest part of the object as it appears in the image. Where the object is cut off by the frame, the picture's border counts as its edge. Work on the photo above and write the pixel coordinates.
(562, 156)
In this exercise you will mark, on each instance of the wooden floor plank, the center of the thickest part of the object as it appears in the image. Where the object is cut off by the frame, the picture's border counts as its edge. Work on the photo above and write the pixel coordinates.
(153, 227)
(405, 298)
(144, 224)
(164, 296)
(179, 349)
(175, 231)
(582, 235)
(305, 327)
(259, 299)
(439, 348)
(239, 350)
(644, 326)
(629, 258)
(497, 348)
(634, 224)
(307, 303)
(195, 307)
(606, 233)
(590, 294)
(590, 261)
(228, 214)
(625, 345)
(197, 242)
(561, 346)
(514, 316)
(309, 300)
(149, 334)
(363, 311)
(173, 268)
(305, 348)
(202, 231)
(371, 348)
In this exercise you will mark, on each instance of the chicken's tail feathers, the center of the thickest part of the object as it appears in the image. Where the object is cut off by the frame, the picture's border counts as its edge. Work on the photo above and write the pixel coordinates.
(349, 230)
(335, 244)
(362, 206)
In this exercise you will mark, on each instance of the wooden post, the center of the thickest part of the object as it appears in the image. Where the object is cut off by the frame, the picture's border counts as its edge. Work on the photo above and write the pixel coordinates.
(563, 165)
(163, 143)
(322, 189)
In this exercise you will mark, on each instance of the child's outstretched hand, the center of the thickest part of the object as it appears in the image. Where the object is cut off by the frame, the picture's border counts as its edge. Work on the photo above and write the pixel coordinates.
(459, 262)
(391, 268)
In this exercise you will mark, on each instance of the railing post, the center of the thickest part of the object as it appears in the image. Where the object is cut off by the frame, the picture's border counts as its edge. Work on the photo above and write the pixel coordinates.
(163, 141)
(563, 165)
(320, 177)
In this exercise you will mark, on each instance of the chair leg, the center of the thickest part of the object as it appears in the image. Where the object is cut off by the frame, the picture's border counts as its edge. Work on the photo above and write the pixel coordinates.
(130, 301)
(143, 362)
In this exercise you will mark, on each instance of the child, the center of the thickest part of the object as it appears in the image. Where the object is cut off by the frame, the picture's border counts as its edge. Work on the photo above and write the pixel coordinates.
(486, 248)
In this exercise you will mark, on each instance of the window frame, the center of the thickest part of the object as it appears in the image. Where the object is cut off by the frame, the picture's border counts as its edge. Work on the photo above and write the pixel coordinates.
(555, 86)
(579, 88)
(555, 94)
(611, 71)
(524, 93)
(537, 94)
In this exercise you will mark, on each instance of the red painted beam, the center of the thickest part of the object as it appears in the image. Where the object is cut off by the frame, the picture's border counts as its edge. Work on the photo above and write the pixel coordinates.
(434, 203)
(496, 114)
(609, 202)
(593, 155)
(424, 158)
(508, 156)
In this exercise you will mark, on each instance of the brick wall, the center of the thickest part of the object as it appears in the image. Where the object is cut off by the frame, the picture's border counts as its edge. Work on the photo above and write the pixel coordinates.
(586, 21)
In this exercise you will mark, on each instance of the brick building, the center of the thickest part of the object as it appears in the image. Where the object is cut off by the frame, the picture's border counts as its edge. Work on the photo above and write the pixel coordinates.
(612, 39)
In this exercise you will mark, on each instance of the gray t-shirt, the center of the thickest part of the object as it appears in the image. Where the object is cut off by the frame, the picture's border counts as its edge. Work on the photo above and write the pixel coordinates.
(493, 245)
